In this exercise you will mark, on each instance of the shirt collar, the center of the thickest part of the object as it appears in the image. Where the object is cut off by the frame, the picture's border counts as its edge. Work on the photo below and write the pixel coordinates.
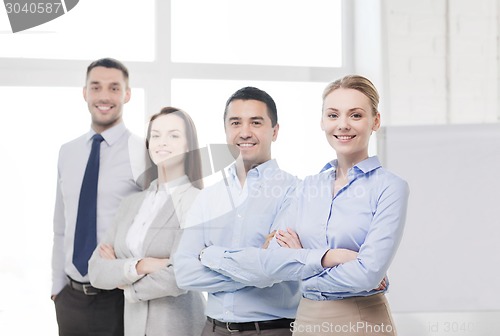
(110, 135)
(256, 172)
(171, 186)
(369, 164)
(178, 182)
(364, 166)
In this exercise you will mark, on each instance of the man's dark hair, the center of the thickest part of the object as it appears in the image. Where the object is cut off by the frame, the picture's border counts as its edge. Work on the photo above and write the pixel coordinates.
(110, 63)
(253, 93)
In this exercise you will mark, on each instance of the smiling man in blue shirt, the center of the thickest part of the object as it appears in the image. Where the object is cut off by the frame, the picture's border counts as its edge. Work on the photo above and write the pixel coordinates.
(239, 212)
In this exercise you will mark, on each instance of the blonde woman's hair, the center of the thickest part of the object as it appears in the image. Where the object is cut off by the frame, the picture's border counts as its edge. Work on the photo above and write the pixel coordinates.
(358, 83)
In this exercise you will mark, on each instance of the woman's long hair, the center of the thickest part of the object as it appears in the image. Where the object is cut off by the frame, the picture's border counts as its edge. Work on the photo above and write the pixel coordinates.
(192, 161)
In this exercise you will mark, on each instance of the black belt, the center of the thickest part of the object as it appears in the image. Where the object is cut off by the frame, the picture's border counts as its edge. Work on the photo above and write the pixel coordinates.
(85, 287)
(258, 325)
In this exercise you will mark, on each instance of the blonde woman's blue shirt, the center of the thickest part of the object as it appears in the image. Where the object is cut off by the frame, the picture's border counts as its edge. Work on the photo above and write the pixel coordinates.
(367, 215)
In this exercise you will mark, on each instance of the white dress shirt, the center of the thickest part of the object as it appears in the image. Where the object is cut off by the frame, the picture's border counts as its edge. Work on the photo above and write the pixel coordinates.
(155, 199)
(123, 161)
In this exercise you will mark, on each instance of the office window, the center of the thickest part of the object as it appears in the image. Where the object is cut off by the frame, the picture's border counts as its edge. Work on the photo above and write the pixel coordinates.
(78, 34)
(258, 32)
(301, 147)
(36, 121)
(42, 70)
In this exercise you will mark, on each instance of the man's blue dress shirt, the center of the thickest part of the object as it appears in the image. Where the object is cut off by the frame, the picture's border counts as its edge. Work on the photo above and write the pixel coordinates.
(227, 214)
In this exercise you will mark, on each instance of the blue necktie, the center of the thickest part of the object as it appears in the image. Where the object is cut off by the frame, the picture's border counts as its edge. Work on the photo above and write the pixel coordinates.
(86, 232)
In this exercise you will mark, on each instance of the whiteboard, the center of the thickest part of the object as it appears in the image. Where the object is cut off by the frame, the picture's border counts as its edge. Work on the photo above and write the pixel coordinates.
(449, 257)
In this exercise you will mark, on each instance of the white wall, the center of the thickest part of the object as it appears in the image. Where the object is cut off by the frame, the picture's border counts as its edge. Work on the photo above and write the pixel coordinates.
(440, 63)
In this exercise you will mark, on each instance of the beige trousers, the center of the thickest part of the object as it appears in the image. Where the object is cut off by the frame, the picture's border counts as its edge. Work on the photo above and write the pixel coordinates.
(356, 316)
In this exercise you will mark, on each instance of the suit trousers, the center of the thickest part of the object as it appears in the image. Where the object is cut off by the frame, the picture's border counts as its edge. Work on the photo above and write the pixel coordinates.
(213, 330)
(356, 316)
(89, 315)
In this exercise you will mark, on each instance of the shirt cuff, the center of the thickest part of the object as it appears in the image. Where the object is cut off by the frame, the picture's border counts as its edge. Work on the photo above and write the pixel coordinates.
(130, 271)
(129, 294)
(212, 256)
(313, 263)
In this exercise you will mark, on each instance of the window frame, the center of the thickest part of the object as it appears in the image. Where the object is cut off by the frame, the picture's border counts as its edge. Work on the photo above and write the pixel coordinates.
(155, 77)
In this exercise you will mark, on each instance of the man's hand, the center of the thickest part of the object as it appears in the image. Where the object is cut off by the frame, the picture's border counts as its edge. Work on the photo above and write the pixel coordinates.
(383, 284)
(269, 237)
(288, 239)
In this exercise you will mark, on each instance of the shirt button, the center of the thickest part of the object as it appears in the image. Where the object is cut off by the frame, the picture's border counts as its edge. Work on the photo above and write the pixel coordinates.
(238, 215)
